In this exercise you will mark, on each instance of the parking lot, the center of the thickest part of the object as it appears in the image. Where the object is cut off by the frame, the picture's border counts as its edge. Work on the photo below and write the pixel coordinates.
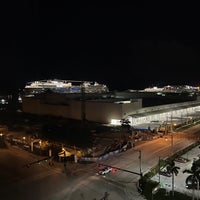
(179, 181)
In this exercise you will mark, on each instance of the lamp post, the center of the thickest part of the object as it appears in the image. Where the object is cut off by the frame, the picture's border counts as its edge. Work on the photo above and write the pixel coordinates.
(140, 168)
(166, 127)
(40, 142)
(172, 143)
(159, 170)
(140, 160)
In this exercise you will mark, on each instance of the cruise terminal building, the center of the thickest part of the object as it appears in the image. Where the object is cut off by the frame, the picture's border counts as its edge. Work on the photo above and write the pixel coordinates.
(107, 110)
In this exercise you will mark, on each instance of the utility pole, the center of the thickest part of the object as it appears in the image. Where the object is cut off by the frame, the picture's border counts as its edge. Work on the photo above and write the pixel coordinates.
(171, 125)
(83, 115)
(166, 126)
(172, 143)
(159, 170)
(83, 103)
(140, 161)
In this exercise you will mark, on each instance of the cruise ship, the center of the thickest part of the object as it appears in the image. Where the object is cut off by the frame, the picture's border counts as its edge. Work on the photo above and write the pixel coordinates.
(64, 86)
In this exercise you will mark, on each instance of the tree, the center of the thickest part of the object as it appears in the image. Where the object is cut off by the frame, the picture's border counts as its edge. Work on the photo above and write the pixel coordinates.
(193, 178)
(174, 170)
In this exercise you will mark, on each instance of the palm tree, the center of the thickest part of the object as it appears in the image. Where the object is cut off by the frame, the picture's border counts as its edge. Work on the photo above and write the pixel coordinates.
(173, 169)
(193, 178)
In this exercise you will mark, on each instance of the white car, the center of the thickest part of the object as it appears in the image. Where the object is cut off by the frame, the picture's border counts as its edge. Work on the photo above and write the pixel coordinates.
(105, 170)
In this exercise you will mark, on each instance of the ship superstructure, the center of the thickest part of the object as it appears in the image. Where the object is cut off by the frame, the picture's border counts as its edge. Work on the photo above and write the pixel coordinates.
(64, 86)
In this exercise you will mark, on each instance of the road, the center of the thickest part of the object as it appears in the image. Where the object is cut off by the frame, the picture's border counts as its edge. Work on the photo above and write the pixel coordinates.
(80, 181)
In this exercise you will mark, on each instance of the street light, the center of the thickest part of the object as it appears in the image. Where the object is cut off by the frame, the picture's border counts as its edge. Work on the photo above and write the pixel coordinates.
(140, 166)
(140, 160)
(40, 142)
(159, 170)
(172, 143)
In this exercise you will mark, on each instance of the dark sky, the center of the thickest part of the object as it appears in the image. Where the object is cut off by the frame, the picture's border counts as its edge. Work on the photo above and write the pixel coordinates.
(123, 44)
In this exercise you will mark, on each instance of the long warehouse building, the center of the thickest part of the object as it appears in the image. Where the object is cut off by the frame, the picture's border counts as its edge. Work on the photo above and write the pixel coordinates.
(105, 110)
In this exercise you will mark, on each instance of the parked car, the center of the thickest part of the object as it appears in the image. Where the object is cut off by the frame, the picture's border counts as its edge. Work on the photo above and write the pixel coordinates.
(192, 186)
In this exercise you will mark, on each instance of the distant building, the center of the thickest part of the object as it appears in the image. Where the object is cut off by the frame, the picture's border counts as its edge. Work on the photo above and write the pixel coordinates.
(96, 110)
(100, 105)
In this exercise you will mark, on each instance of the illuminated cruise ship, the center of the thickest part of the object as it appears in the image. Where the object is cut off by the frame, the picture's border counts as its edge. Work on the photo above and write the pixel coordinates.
(64, 86)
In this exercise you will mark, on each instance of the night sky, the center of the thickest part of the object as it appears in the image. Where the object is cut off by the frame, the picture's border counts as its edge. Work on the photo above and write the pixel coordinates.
(125, 45)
